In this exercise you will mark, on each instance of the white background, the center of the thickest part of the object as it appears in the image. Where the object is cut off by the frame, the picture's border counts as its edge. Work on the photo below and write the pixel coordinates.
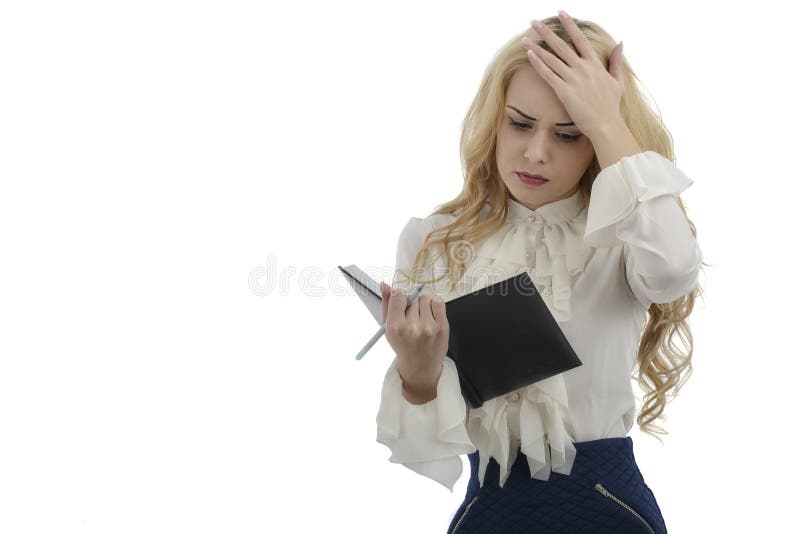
(180, 181)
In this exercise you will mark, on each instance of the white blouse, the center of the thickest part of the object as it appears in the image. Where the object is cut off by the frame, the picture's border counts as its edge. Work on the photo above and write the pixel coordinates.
(598, 269)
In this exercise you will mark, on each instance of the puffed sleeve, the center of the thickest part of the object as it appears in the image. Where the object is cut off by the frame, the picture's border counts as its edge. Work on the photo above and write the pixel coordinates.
(634, 202)
(427, 438)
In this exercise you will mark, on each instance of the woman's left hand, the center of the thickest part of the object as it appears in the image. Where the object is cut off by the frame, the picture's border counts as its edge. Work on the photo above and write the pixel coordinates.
(590, 93)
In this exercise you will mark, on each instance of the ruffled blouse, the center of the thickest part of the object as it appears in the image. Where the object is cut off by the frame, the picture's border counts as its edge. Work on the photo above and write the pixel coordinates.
(597, 269)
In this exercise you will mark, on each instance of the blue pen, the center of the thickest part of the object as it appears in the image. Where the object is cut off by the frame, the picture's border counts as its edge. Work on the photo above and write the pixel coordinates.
(414, 294)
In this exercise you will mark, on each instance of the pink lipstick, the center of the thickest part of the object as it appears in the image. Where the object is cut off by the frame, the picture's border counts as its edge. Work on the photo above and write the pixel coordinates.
(531, 179)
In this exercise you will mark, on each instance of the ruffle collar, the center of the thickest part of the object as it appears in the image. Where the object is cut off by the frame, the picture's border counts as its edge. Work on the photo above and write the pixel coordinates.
(547, 243)
(558, 211)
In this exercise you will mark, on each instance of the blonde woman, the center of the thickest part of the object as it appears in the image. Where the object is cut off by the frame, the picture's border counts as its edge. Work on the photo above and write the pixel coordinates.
(569, 176)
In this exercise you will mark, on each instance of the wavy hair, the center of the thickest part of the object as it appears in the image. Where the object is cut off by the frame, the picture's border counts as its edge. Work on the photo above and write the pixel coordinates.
(662, 367)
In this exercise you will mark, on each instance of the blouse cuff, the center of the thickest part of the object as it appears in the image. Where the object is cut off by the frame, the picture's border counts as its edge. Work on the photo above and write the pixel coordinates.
(427, 438)
(621, 187)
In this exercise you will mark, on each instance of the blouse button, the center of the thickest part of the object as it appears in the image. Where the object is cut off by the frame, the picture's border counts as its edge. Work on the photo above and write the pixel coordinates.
(532, 218)
(512, 397)
(546, 291)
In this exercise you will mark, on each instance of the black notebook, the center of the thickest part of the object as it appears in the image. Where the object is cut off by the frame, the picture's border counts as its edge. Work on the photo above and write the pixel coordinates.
(502, 337)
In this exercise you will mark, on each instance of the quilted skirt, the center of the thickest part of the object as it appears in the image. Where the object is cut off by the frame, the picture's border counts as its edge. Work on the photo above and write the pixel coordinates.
(604, 493)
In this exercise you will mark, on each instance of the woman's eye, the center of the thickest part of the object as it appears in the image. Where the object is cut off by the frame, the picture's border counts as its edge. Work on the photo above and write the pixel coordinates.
(567, 138)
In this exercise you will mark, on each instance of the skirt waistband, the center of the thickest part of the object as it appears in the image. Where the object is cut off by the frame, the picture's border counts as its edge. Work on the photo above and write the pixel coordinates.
(589, 455)
(604, 490)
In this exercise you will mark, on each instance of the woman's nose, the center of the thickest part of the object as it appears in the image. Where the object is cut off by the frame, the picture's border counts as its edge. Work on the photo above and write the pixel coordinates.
(537, 148)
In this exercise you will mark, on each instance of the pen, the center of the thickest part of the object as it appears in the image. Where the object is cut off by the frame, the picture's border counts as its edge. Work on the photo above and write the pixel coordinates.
(414, 294)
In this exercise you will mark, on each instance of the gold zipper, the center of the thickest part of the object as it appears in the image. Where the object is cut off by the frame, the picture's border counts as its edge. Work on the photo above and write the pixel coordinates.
(464, 513)
(599, 487)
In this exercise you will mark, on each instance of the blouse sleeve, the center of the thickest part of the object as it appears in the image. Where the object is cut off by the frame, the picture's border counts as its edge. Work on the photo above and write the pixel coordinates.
(634, 202)
(427, 438)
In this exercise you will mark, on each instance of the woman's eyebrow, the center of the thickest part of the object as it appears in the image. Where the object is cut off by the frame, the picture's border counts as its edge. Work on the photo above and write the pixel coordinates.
(532, 119)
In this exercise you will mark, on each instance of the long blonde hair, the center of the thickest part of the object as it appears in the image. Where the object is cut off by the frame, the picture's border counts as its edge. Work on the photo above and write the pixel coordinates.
(661, 365)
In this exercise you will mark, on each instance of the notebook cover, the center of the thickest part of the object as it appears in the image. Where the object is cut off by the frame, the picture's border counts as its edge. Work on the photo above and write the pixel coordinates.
(503, 337)
(367, 288)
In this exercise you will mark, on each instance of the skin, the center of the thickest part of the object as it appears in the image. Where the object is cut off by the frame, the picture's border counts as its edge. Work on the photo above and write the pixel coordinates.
(419, 335)
(539, 146)
(589, 87)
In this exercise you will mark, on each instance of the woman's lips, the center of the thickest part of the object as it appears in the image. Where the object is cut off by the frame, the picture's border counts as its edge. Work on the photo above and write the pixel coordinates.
(531, 179)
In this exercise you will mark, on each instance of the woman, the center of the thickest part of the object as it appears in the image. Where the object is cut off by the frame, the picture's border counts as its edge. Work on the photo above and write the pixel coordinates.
(604, 235)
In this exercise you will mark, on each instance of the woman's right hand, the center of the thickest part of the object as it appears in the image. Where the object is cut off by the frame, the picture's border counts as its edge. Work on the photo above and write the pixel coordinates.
(419, 335)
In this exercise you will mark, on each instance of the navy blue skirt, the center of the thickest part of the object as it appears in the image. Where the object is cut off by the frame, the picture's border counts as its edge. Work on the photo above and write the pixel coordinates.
(605, 492)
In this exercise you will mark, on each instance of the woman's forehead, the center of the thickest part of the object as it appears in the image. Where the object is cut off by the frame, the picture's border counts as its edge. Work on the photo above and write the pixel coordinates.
(531, 94)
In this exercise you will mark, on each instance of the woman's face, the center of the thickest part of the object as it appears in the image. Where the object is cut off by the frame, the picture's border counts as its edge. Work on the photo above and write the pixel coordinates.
(534, 142)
